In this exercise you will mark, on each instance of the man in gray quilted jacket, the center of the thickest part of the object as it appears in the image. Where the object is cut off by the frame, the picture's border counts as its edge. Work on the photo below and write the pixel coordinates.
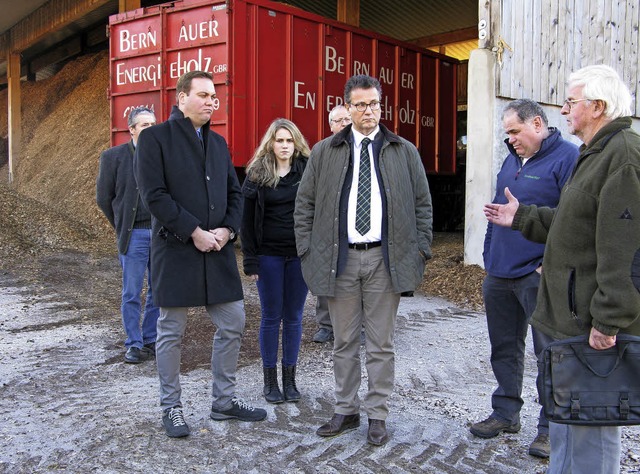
(363, 222)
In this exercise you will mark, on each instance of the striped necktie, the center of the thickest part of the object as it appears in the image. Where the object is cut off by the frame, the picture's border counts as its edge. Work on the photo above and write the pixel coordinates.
(363, 206)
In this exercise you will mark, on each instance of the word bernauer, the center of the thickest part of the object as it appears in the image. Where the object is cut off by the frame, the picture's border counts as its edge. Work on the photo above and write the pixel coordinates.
(189, 32)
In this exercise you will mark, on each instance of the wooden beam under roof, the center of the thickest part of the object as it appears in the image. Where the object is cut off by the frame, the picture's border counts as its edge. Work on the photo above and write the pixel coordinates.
(50, 17)
(456, 36)
(128, 5)
(348, 11)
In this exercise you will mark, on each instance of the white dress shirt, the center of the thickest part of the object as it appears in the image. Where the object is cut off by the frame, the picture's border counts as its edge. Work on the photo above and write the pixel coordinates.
(375, 232)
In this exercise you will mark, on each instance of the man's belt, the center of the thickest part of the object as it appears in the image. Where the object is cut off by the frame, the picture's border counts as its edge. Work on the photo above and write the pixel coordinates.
(365, 245)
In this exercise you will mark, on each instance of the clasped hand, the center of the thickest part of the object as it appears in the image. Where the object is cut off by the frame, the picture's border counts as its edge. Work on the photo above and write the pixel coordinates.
(214, 239)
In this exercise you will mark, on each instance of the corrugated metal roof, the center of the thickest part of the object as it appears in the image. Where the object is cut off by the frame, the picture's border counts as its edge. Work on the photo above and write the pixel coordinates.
(403, 19)
(16, 11)
(408, 19)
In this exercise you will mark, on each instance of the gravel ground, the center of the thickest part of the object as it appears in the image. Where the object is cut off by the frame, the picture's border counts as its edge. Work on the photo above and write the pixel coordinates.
(71, 405)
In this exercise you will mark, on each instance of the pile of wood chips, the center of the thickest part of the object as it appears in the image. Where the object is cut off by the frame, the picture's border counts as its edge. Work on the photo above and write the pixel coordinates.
(448, 277)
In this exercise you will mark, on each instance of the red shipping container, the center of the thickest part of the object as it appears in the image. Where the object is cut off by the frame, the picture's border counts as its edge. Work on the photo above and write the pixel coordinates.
(268, 61)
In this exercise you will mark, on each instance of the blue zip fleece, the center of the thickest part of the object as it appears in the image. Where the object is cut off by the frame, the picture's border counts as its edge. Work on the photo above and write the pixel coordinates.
(507, 254)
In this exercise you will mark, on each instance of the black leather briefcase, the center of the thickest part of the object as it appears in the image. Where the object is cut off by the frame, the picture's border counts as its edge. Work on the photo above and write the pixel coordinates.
(584, 386)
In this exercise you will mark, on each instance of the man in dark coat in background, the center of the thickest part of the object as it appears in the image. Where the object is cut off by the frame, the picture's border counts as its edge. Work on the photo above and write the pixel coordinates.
(188, 182)
(118, 198)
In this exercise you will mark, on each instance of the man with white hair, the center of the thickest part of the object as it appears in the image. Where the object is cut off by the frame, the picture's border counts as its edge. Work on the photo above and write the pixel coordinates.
(591, 266)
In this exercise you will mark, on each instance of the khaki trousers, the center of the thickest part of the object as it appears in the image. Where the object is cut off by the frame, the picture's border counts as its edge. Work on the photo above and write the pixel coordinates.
(364, 296)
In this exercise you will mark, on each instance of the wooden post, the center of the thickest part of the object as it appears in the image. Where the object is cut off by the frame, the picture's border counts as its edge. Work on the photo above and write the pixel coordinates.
(481, 128)
(349, 12)
(128, 5)
(14, 114)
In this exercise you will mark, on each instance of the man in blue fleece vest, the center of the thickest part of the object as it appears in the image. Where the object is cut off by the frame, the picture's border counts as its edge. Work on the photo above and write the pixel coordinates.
(537, 167)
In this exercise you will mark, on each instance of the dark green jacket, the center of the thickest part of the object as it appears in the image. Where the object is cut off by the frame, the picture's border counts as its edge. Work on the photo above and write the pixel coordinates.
(591, 264)
(320, 212)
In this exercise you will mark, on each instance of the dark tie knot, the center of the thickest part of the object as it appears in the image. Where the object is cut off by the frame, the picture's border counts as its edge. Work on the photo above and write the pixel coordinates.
(365, 142)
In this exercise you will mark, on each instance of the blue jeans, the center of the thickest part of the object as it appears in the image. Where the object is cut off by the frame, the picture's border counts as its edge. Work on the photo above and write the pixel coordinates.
(283, 293)
(509, 304)
(134, 265)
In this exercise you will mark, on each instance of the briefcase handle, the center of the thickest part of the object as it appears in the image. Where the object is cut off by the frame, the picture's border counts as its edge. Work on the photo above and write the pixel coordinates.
(579, 349)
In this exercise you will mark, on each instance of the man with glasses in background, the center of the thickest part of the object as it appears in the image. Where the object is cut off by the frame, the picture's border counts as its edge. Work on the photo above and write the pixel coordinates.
(338, 119)
(357, 253)
(118, 198)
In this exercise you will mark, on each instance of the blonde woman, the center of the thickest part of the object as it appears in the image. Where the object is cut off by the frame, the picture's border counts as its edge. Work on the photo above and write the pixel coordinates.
(269, 249)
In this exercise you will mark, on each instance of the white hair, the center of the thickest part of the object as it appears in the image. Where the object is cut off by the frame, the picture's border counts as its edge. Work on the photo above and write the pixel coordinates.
(333, 111)
(603, 83)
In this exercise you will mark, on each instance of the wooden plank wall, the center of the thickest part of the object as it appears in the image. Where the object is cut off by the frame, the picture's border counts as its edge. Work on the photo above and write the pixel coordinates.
(551, 38)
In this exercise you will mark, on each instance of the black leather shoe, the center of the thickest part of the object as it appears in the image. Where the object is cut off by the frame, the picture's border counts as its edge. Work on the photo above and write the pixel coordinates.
(135, 355)
(492, 427)
(323, 335)
(339, 424)
(150, 349)
(377, 434)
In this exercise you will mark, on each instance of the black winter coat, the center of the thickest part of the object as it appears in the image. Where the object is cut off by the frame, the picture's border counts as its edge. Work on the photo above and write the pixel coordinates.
(185, 187)
(253, 218)
(116, 191)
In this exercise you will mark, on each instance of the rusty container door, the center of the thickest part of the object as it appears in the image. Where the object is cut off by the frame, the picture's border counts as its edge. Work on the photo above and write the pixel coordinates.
(447, 108)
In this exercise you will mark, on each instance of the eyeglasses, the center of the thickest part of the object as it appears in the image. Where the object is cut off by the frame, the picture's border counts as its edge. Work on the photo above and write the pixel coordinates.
(571, 102)
(361, 106)
(346, 120)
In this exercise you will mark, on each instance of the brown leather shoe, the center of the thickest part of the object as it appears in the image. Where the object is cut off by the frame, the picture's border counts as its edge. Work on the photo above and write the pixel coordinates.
(339, 424)
(377, 434)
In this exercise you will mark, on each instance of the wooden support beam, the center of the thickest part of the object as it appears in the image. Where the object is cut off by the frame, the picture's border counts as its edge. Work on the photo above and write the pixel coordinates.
(4, 46)
(14, 117)
(49, 18)
(128, 5)
(488, 23)
(63, 51)
(349, 12)
(455, 36)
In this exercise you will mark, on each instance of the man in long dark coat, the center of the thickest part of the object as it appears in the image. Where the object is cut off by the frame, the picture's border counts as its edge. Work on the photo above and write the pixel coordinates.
(187, 180)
